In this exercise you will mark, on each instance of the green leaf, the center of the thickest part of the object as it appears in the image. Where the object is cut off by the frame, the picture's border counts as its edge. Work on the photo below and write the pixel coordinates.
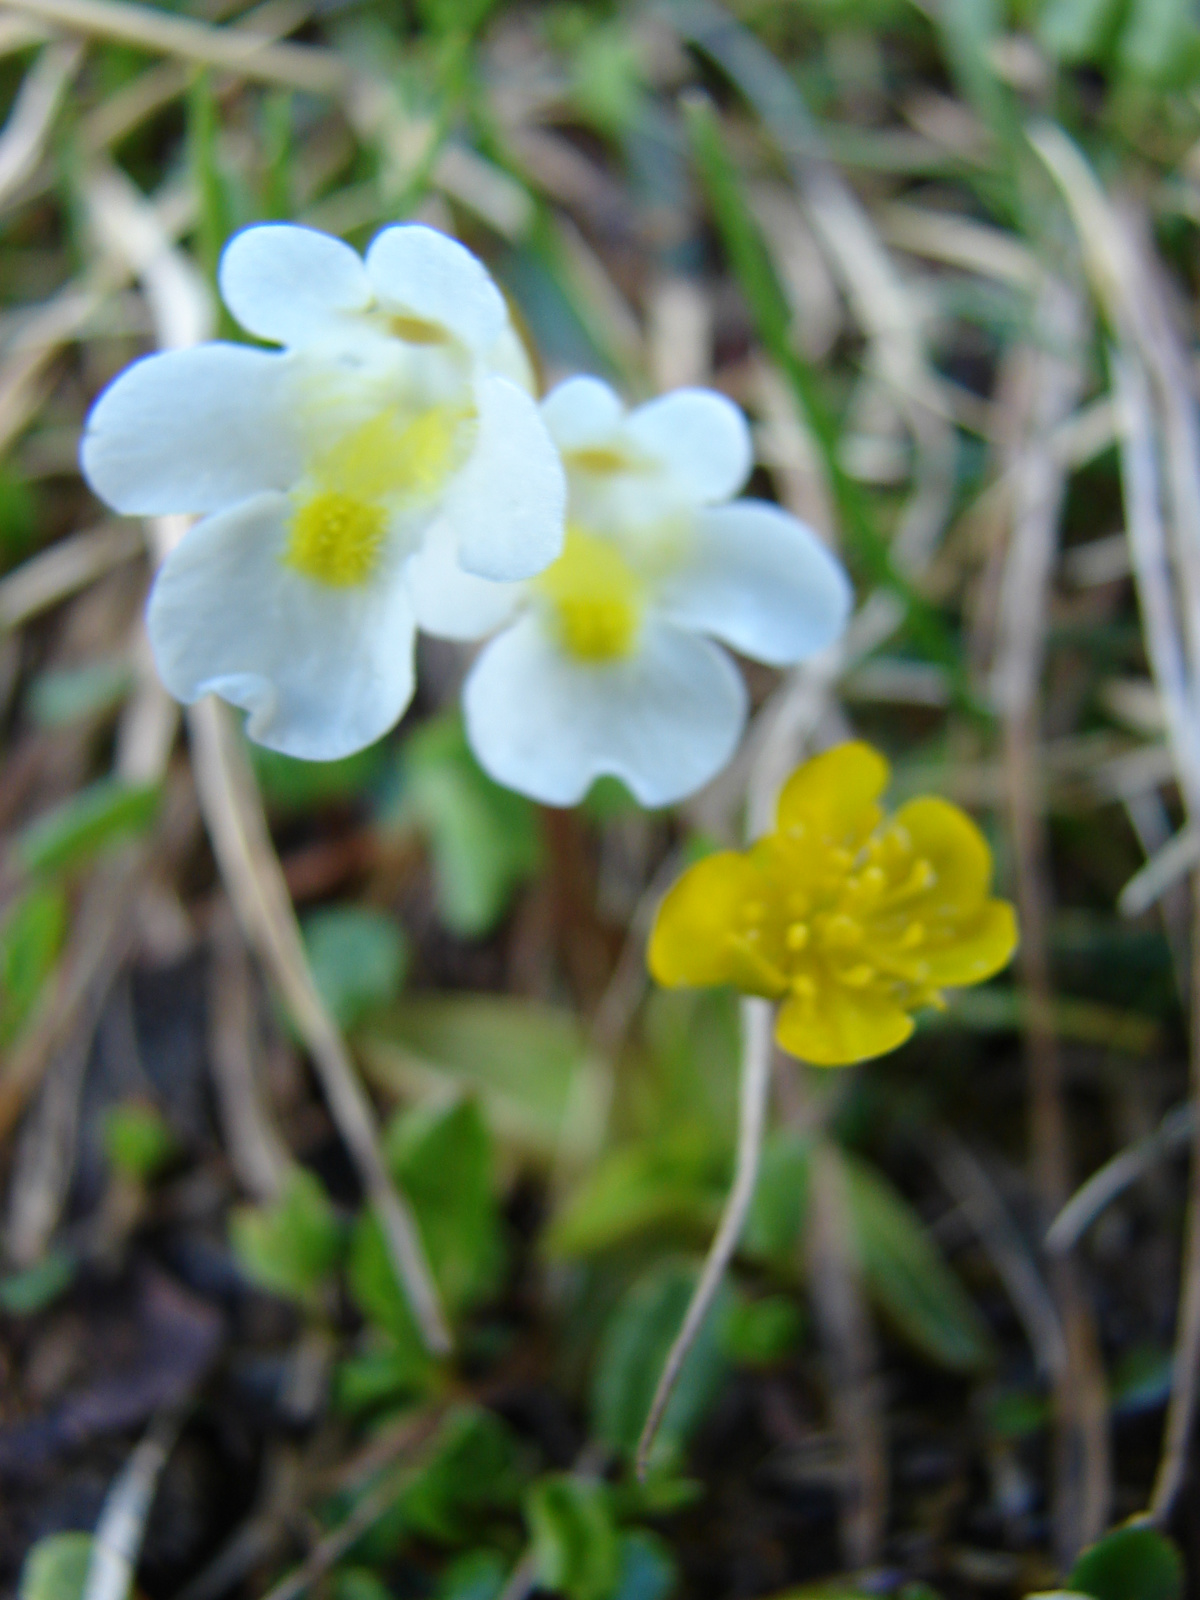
(1135, 1562)
(1155, 38)
(576, 1551)
(22, 1293)
(474, 1469)
(485, 839)
(633, 1190)
(441, 1157)
(758, 1333)
(383, 1376)
(647, 1567)
(527, 1063)
(371, 1280)
(137, 1139)
(289, 785)
(908, 1277)
(30, 941)
(633, 1349)
(99, 815)
(60, 697)
(358, 958)
(359, 1583)
(291, 1246)
(606, 79)
(56, 1568)
(478, 1575)
(1079, 30)
(775, 1226)
(19, 518)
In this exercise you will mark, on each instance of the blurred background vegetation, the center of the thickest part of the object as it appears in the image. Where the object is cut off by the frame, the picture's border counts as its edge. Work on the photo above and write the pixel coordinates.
(944, 252)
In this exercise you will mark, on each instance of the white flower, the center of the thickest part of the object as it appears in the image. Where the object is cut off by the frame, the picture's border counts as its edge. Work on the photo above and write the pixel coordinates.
(608, 663)
(397, 411)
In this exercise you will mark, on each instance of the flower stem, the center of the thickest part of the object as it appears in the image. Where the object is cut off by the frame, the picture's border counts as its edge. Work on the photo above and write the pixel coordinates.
(752, 1113)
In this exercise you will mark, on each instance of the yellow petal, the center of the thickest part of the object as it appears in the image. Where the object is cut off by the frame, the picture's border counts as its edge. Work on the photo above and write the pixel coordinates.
(839, 1026)
(691, 941)
(947, 838)
(833, 795)
(982, 945)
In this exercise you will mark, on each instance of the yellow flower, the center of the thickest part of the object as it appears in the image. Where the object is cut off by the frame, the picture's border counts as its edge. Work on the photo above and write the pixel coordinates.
(851, 919)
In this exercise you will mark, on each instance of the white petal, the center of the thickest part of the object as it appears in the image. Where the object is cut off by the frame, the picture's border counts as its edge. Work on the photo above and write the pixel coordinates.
(510, 359)
(193, 430)
(582, 412)
(761, 581)
(291, 284)
(416, 269)
(451, 603)
(322, 671)
(507, 506)
(700, 437)
(664, 721)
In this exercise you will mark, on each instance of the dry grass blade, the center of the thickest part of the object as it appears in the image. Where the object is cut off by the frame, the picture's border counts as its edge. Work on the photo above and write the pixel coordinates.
(1141, 362)
(256, 1151)
(293, 65)
(24, 135)
(68, 566)
(413, 1434)
(1115, 1176)
(968, 1181)
(848, 1347)
(1044, 386)
(250, 868)
(122, 1525)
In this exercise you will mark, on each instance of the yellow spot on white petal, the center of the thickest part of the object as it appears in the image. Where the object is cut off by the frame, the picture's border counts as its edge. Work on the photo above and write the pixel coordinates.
(416, 330)
(599, 459)
(336, 539)
(357, 484)
(595, 598)
(393, 455)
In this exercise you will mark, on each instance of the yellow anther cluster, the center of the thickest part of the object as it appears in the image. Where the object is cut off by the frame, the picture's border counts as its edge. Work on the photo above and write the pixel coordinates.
(595, 598)
(360, 481)
(850, 919)
(336, 539)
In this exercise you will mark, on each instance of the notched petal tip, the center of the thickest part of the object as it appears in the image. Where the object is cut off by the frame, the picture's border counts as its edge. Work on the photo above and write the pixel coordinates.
(290, 284)
(582, 412)
(701, 438)
(432, 277)
(836, 790)
(838, 1029)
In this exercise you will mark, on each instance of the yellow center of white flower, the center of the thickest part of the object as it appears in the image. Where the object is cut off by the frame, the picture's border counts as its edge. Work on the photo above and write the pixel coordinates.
(353, 489)
(596, 598)
(336, 539)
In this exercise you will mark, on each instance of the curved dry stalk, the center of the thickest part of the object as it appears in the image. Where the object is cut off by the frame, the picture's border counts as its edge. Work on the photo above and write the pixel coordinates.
(295, 66)
(1185, 1381)
(752, 1113)
(34, 110)
(122, 1525)
(232, 809)
(1116, 1175)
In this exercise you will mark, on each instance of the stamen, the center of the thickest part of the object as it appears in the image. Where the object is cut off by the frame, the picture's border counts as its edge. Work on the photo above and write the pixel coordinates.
(596, 598)
(335, 539)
